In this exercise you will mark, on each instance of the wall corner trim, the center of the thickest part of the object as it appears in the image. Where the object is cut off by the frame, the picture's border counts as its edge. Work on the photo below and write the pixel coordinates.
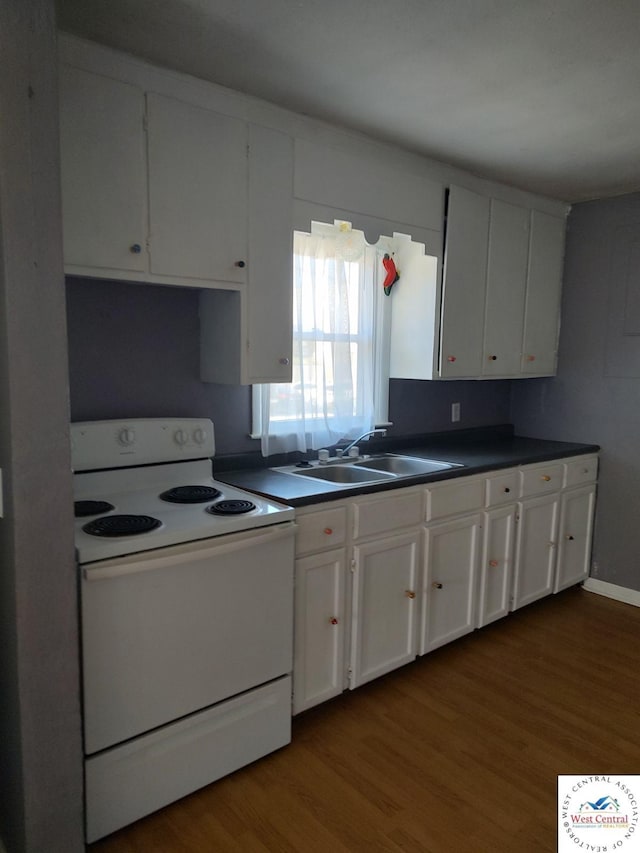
(611, 590)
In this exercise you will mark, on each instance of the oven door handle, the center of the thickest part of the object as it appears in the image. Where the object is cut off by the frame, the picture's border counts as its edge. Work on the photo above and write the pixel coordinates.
(178, 554)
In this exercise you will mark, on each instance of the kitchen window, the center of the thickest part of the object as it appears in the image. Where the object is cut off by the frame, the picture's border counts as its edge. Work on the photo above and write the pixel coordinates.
(341, 320)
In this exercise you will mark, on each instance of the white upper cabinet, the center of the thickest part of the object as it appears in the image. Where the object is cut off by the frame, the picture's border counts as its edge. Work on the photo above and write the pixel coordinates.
(544, 285)
(497, 313)
(464, 284)
(104, 174)
(506, 284)
(198, 174)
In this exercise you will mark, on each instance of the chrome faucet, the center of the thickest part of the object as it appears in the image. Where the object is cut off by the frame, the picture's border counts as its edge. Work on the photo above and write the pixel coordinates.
(345, 450)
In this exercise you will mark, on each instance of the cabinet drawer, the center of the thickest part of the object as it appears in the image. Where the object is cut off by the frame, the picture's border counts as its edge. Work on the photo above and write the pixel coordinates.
(584, 469)
(319, 530)
(502, 489)
(462, 496)
(381, 515)
(541, 479)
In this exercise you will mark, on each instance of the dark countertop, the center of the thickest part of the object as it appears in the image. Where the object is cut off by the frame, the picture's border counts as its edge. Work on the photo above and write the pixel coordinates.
(478, 455)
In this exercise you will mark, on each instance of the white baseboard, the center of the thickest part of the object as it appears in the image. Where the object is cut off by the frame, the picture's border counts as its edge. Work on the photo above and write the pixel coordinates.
(611, 590)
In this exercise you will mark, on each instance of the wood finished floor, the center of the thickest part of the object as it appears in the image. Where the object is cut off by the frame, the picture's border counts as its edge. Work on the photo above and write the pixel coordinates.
(455, 753)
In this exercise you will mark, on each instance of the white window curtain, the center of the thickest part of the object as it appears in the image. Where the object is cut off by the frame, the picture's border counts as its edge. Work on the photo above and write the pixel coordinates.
(331, 396)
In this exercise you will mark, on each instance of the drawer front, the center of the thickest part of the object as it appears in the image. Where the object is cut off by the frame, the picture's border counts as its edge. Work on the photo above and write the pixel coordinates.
(502, 489)
(541, 479)
(464, 495)
(319, 530)
(381, 515)
(584, 469)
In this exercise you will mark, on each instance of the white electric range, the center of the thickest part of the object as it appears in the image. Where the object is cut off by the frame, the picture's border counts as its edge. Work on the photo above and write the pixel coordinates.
(186, 600)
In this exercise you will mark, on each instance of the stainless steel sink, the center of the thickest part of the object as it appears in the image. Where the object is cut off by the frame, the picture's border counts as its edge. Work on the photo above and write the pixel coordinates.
(374, 469)
(404, 466)
(345, 473)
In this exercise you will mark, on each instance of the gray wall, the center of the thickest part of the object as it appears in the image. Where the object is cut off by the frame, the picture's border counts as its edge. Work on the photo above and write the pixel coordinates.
(40, 745)
(596, 394)
(134, 351)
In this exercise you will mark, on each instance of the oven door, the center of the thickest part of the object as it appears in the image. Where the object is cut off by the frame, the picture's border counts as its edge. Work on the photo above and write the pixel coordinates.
(172, 631)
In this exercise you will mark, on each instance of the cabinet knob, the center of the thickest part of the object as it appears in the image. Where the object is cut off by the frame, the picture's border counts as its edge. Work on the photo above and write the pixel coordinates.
(241, 264)
(507, 489)
(284, 360)
(493, 563)
(546, 478)
(436, 585)
(569, 537)
(333, 621)
(451, 358)
(135, 249)
(493, 357)
(328, 531)
(409, 593)
(531, 358)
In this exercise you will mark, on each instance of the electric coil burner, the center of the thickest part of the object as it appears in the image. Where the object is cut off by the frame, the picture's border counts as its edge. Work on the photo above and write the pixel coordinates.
(190, 494)
(82, 509)
(121, 525)
(231, 507)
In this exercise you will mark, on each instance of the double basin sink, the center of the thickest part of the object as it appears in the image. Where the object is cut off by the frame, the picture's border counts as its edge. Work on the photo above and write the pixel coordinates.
(371, 469)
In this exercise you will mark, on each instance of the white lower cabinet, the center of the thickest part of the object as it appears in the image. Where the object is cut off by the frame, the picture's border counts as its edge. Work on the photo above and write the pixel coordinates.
(535, 549)
(385, 602)
(319, 639)
(451, 555)
(574, 543)
(496, 564)
(388, 576)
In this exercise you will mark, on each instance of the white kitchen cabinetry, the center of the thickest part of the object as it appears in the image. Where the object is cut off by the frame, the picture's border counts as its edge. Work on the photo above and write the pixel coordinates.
(153, 189)
(198, 178)
(496, 565)
(451, 556)
(464, 284)
(574, 546)
(321, 624)
(544, 285)
(246, 335)
(498, 311)
(506, 285)
(319, 628)
(429, 565)
(385, 602)
(535, 549)
(104, 175)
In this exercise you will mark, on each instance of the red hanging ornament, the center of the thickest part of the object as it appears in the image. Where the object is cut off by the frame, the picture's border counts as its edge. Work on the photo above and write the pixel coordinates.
(392, 273)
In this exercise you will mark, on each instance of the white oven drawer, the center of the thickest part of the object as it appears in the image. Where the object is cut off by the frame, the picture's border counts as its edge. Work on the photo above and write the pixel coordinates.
(169, 632)
(125, 783)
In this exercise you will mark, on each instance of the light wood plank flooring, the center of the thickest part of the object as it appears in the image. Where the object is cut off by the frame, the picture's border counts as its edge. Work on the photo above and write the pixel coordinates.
(455, 753)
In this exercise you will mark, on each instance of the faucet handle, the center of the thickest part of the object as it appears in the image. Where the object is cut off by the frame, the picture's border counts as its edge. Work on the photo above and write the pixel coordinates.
(354, 451)
(323, 455)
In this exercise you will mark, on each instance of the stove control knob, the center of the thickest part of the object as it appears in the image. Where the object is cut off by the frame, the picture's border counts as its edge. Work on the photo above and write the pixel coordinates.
(180, 437)
(199, 435)
(126, 436)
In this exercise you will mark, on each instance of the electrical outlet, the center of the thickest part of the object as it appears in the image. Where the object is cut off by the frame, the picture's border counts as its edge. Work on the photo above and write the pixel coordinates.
(455, 412)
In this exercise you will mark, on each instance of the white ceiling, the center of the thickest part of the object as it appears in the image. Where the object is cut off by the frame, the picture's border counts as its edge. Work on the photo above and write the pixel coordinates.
(541, 94)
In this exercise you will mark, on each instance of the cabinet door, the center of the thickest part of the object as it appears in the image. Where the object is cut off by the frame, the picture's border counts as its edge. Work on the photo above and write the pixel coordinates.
(197, 192)
(384, 606)
(464, 279)
(270, 298)
(496, 565)
(318, 669)
(537, 530)
(103, 173)
(574, 547)
(506, 283)
(451, 558)
(542, 305)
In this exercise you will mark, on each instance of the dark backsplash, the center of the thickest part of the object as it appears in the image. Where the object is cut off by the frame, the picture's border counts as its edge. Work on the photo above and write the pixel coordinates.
(134, 352)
